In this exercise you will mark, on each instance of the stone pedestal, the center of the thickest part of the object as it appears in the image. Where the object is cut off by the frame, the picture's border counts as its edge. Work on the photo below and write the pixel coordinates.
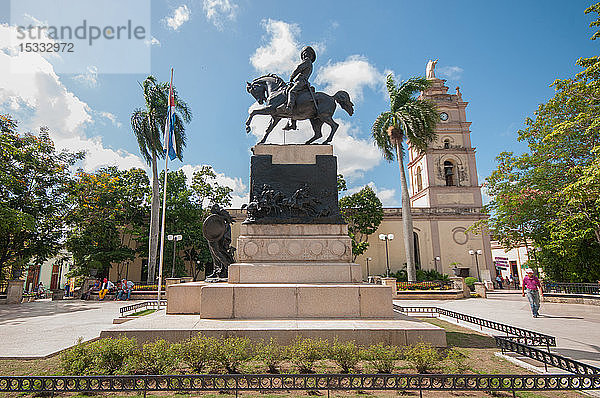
(480, 289)
(295, 263)
(14, 292)
(391, 282)
(459, 283)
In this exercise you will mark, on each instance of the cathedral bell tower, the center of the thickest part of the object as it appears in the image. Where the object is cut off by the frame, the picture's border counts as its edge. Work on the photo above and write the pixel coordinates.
(445, 175)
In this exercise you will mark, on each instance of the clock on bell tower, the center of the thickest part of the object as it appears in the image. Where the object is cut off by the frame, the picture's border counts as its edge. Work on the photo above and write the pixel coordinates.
(445, 175)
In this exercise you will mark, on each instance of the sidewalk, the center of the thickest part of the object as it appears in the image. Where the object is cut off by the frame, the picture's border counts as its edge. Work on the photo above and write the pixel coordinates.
(41, 328)
(575, 326)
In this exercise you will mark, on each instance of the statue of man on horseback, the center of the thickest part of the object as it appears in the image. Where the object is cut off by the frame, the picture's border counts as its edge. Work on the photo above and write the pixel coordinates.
(297, 101)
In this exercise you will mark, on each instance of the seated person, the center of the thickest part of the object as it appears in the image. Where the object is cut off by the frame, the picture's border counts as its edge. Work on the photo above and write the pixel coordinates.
(125, 290)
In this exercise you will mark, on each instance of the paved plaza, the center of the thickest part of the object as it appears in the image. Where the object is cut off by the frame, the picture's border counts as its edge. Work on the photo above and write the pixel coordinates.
(575, 326)
(42, 328)
(39, 329)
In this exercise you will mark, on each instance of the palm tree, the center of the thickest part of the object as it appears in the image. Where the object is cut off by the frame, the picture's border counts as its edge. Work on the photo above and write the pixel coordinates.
(412, 119)
(148, 126)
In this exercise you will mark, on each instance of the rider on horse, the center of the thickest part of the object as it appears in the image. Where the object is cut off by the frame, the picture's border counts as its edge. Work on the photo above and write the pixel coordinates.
(299, 81)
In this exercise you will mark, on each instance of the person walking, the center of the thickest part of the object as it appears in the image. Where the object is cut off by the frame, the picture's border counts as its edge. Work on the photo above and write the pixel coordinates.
(533, 288)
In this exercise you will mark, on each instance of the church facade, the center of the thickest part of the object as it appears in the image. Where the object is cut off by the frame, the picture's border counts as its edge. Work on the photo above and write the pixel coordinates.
(445, 198)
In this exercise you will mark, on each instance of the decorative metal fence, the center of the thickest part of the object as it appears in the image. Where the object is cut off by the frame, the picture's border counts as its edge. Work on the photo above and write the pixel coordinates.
(533, 338)
(547, 358)
(572, 288)
(425, 285)
(139, 306)
(518, 340)
(312, 382)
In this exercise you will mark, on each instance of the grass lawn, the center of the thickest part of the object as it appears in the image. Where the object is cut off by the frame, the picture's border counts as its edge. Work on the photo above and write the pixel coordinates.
(143, 312)
(478, 348)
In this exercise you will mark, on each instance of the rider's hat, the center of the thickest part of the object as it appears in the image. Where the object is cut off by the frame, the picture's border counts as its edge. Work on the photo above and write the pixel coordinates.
(311, 53)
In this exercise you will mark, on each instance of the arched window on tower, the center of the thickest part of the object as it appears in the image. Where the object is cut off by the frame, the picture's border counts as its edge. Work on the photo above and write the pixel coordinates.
(419, 179)
(447, 143)
(449, 173)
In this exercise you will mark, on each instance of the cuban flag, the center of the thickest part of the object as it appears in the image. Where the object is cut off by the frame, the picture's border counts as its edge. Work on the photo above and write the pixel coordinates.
(169, 140)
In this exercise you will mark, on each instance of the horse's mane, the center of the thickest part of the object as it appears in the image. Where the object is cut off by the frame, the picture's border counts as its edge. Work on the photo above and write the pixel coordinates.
(272, 75)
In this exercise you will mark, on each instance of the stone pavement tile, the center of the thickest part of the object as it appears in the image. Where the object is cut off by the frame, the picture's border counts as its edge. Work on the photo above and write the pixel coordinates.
(41, 328)
(575, 326)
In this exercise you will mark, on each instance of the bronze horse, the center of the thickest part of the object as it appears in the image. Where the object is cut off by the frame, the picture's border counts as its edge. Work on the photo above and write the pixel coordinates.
(270, 91)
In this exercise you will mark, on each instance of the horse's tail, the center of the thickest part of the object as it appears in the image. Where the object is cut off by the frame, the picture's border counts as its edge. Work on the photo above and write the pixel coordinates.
(343, 98)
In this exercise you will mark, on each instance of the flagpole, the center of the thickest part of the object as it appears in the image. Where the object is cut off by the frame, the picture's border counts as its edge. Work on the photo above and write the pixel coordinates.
(164, 208)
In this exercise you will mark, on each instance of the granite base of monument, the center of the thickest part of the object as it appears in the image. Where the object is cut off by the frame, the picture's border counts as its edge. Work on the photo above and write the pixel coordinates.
(294, 275)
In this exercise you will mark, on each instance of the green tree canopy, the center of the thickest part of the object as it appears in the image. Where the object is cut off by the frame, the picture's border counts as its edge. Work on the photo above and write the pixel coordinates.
(32, 197)
(363, 212)
(549, 196)
(108, 211)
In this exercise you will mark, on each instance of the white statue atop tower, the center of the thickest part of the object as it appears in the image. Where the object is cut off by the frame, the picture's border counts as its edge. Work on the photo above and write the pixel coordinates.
(430, 70)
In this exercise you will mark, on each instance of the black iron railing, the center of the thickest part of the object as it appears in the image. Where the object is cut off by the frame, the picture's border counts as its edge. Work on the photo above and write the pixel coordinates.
(141, 306)
(572, 288)
(534, 338)
(548, 358)
(269, 382)
(518, 340)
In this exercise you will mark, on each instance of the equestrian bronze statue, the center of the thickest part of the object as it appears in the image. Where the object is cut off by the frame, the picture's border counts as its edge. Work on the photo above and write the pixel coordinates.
(297, 100)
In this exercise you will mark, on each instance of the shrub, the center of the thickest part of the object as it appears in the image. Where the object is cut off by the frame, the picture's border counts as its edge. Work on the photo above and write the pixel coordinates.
(382, 357)
(422, 356)
(270, 354)
(196, 352)
(153, 359)
(457, 358)
(110, 354)
(100, 357)
(305, 352)
(345, 354)
(77, 361)
(470, 281)
(231, 352)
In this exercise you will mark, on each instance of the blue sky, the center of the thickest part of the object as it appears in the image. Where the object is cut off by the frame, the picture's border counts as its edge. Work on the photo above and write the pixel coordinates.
(503, 55)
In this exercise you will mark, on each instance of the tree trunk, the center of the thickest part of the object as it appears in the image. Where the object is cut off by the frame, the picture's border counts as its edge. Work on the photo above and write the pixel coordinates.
(154, 223)
(407, 223)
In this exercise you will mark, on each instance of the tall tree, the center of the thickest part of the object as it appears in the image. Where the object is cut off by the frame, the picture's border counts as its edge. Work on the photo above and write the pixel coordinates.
(363, 212)
(33, 198)
(106, 217)
(549, 195)
(187, 207)
(148, 126)
(414, 120)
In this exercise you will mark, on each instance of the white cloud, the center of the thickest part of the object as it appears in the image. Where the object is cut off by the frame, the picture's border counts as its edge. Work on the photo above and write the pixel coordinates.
(112, 118)
(180, 16)
(387, 196)
(39, 98)
(450, 72)
(353, 75)
(90, 78)
(218, 10)
(240, 192)
(281, 53)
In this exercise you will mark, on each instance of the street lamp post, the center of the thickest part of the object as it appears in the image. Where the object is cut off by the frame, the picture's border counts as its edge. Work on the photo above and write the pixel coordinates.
(476, 253)
(368, 273)
(436, 259)
(386, 238)
(174, 238)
